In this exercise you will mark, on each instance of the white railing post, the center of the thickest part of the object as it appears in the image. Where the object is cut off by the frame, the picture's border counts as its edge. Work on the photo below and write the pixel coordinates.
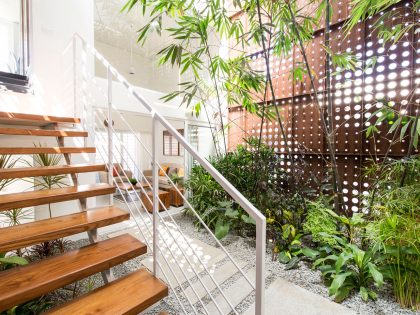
(84, 107)
(110, 144)
(260, 268)
(155, 188)
(75, 77)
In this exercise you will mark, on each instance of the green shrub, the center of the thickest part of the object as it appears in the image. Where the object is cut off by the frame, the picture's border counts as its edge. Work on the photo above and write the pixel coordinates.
(351, 269)
(395, 227)
(257, 172)
(320, 224)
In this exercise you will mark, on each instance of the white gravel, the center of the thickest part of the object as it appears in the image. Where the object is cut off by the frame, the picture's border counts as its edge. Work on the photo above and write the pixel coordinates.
(244, 249)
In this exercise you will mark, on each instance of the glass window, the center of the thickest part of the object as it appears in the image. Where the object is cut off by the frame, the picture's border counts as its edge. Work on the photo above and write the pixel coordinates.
(171, 146)
(13, 36)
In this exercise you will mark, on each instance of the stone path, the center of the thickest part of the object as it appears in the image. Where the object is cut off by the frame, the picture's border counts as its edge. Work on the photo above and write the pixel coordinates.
(285, 298)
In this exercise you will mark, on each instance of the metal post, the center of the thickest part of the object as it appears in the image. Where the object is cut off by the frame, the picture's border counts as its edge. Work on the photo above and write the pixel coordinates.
(74, 76)
(155, 187)
(110, 144)
(260, 268)
(85, 109)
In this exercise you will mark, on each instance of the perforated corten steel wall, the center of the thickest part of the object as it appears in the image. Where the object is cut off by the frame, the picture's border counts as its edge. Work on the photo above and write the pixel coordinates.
(355, 96)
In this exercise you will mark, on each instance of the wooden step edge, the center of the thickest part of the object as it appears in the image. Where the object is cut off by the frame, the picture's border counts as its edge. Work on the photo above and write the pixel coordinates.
(23, 172)
(21, 284)
(47, 150)
(41, 197)
(130, 294)
(24, 235)
(31, 119)
(42, 132)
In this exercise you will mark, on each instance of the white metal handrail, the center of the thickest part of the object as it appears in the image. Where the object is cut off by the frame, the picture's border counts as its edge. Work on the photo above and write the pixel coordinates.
(259, 218)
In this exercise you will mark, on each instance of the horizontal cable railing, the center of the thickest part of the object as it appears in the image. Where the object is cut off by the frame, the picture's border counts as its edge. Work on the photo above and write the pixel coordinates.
(158, 222)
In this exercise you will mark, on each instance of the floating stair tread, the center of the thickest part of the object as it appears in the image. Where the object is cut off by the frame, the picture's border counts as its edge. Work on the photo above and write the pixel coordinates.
(130, 294)
(34, 120)
(23, 235)
(40, 197)
(24, 283)
(47, 150)
(22, 172)
(42, 132)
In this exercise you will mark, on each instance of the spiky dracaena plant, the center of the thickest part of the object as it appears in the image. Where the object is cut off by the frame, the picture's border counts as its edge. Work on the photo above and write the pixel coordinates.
(51, 181)
(7, 161)
(13, 216)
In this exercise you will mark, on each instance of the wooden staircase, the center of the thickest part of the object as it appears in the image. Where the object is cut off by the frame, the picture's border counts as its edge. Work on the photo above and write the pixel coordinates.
(130, 294)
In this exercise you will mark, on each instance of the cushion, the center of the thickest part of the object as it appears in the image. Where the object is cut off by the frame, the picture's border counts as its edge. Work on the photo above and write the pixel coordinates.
(181, 172)
(164, 170)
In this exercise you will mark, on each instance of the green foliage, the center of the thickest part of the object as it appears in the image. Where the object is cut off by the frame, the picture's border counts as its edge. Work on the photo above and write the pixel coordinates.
(132, 181)
(15, 216)
(362, 10)
(11, 261)
(406, 125)
(36, 306)
(177, 180)
(45, 160)
(51, 181)
(395, 226)
(6, 161)
(351, 269)
(255, 170)
(319, 222)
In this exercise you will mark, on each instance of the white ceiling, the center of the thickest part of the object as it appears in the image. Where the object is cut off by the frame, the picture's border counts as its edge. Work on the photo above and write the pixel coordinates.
(120, 29)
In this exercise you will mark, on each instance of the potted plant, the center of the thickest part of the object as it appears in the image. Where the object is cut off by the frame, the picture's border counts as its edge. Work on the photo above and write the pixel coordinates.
(133, 181)
(177, 180)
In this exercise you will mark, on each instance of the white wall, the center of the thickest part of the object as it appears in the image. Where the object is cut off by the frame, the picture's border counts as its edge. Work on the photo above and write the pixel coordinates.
(147, 74)
(53, 23)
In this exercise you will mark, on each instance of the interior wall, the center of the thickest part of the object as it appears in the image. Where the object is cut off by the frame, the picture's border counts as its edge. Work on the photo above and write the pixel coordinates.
(142, 126)
(147, 73)
(52, 25)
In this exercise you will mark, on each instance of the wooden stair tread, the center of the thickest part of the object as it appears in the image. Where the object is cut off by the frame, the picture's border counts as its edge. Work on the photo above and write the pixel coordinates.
(48, 150)
(40, 197)
(23, 235)
(24, 283)
(42, 132)
(130, 294)
(22, 172)
(34, 120)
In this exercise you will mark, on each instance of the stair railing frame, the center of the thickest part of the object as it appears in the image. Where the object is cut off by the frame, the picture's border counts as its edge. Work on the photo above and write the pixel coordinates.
(259, 218)
(185, 199)
(165, 226)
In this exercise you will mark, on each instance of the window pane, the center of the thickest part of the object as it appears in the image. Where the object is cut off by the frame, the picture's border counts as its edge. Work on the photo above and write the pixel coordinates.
(11, 37)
